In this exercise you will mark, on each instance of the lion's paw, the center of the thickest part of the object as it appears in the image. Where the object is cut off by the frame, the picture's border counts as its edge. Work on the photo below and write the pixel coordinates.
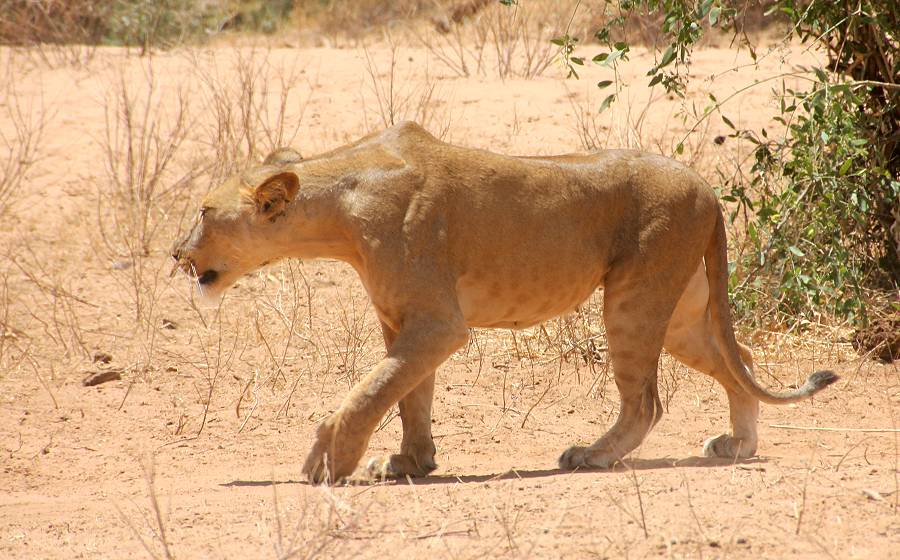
(315, 467)
(728, 447)
(572, 458)
(379, 468)
(332, 457)
(578, 456)
(398, 466)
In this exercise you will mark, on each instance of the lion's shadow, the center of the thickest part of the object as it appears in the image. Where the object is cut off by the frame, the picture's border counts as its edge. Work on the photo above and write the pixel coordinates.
(620, 467)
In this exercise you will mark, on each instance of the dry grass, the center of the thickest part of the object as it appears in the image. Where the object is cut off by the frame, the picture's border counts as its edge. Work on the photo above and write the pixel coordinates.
(20, 140)
(145, 194)
(404, 90)
(145, 129)
(57, 34)
(508, 42)
(255, 105)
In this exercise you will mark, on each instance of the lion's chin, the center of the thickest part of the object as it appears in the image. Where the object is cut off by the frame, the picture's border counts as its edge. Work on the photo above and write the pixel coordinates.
(209, 296)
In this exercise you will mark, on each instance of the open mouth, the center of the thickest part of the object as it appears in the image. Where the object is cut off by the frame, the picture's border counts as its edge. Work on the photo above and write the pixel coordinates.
(207, 277)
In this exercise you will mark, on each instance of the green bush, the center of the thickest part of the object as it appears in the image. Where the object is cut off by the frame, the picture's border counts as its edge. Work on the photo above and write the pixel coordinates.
(141, 23)
(822, 206)
(163, 23)
(817, 210)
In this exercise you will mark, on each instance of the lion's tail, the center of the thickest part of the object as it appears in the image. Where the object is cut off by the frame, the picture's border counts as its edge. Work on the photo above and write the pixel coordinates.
(720, 312)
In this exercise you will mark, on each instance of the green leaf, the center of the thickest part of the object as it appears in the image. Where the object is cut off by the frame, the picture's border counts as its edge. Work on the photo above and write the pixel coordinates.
(667, 57)
(606, 102)
(845, 167)
(728, 122)
(607, 59)
(793, 249)
(604, 83)
(714, 15)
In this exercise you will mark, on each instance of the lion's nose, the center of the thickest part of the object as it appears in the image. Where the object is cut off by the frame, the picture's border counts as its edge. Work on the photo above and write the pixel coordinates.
(208, 277)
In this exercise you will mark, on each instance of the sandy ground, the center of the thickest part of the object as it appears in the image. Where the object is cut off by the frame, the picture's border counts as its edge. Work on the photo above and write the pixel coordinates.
(195, 452)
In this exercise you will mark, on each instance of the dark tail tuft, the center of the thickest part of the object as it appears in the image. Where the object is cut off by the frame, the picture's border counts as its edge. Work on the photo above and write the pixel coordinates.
(821, 379)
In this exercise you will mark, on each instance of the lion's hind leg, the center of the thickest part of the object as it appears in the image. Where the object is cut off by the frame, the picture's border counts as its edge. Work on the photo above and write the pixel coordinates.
(636, 317)
(691, 340)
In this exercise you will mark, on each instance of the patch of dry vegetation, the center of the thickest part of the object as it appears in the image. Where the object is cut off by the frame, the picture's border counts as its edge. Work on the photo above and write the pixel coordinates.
(498, 40)
(23, 121)
(287, 342)
(254, 105)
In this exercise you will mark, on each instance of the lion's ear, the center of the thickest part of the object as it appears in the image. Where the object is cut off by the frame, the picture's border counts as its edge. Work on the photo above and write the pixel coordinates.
(273, 194)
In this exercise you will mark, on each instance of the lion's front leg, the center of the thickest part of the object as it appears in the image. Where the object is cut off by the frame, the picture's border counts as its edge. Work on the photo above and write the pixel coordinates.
(341, 440)
(416, 457)
(417, 450)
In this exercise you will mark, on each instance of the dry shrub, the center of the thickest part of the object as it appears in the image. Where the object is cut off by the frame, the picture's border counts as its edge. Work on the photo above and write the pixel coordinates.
(144, 132)
(401, 94)
(18, 146)
(256, 104)
(15, 345)
(619, 128)
(28, 22)
(574, 345)
(59, 32)
(880, 338)
(519, 37)
(52, 306)
(282, 322)
(320, 525)
(508, 41)
(351, 340)
(144, 194)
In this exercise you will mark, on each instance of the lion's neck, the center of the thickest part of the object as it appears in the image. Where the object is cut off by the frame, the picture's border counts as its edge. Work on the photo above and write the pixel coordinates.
(315, 226)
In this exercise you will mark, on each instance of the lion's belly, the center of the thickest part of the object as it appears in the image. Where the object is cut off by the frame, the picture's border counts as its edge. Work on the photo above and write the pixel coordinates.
(492, 302)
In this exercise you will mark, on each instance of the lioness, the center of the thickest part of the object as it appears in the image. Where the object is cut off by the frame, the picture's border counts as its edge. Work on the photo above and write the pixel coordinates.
(446, 238)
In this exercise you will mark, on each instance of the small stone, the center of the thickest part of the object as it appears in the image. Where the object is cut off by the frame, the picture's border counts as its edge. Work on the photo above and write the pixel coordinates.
(121, 265)
(98, 377)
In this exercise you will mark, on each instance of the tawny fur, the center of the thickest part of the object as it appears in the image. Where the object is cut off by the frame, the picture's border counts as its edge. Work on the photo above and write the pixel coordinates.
(446, 238)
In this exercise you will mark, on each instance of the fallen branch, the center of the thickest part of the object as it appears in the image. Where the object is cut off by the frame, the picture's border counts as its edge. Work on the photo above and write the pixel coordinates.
(818, 429)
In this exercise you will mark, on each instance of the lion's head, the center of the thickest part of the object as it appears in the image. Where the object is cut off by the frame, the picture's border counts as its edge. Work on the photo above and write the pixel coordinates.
(237, 230)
